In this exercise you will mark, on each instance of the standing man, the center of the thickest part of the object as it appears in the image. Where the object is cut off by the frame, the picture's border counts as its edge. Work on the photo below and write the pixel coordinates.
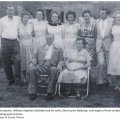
(48, 60)
(10, 46)
(104, 39)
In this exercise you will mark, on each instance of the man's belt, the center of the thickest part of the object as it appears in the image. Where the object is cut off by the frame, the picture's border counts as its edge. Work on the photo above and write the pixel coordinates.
(9, 39)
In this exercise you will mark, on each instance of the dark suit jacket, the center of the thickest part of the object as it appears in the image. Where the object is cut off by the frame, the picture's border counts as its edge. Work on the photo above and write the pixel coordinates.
(56, 58)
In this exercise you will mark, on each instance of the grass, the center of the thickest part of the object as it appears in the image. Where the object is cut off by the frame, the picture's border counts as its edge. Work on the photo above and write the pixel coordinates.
(14, 96)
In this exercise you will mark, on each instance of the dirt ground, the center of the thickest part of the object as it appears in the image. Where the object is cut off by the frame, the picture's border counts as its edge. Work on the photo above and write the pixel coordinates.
(15, 96)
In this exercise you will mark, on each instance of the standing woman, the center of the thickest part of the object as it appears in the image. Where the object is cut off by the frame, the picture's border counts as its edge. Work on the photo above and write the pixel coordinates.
(54, 26)
(114, 54)
(39, 29)
(25, 30)
(89, 32)
(70, 31)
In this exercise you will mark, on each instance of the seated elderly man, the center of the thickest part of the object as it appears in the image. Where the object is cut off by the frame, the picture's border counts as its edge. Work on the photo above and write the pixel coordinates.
(47, 60)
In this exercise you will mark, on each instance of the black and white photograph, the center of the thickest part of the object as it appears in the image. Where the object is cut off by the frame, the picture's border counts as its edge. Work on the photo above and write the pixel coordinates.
(60, 54)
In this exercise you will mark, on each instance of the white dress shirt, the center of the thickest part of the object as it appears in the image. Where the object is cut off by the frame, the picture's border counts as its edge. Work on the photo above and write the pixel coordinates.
(103, 27)
(48, 52)
(9, 27)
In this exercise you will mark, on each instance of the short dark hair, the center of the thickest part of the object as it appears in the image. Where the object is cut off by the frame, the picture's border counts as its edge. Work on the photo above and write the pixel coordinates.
(106, 9)
(25, 13)
(86, 11)
(10, 5)
(70, 12)
(38, 9)
(81, 39)
(50, 15)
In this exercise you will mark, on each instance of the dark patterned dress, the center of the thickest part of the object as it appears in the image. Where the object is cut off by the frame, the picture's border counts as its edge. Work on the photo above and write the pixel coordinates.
(89, 33)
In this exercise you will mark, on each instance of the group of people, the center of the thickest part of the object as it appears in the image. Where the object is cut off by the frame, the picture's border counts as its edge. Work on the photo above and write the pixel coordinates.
(63, 51)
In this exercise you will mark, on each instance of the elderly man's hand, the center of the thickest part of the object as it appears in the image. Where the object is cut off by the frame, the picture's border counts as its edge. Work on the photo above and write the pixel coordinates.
(30, 65)
(59, 68)
(0, 49)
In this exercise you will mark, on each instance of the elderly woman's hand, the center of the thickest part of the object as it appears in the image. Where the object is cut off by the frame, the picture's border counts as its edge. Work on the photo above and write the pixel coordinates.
(72, 60)
(59, 68)
(77, 61)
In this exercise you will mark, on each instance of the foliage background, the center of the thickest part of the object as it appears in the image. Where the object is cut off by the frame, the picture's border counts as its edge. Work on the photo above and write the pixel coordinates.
(78, 7)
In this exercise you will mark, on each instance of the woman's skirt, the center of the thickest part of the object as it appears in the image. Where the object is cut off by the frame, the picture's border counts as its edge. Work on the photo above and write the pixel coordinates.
(67, 76)
(69, 44)
(26, 53)
(114, 59)
(78, 76)
(58, 42)
(91, 48)
(37, 42)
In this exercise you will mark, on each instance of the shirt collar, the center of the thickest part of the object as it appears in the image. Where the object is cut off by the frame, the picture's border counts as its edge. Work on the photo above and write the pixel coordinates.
(39, 21)
(71, 24)
(25, 26)
(9, 18)
(49, 46)
(104, 19)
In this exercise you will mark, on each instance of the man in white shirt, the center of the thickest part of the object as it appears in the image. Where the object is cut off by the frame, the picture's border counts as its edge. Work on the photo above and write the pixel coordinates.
(104, 39)
(47, 60)
(10, 46)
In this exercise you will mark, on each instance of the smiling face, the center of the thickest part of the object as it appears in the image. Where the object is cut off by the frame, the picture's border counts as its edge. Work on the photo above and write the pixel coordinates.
(49, 39)
(86, 16)
(39, 15)
(79, 44)
(10, 11)
(54, 17)
(103, 14)
(25, 18)
(117, 19)
(70, 18)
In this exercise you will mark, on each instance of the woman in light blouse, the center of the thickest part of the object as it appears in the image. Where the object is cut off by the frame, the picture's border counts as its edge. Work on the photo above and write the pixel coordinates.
(76, 66)
(55, 27)
(25, 32)
(39, 25)
(70, 31)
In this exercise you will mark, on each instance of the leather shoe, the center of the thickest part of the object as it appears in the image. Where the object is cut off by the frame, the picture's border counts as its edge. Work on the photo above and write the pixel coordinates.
(67, 92)
(78, 94)
(19, 83)
(11, 82)
(100, 87)
(107, 84)
(32, 97)
(49, 97)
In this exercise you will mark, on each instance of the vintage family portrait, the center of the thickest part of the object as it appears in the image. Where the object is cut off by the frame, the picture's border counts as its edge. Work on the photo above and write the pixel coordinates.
(60, 54)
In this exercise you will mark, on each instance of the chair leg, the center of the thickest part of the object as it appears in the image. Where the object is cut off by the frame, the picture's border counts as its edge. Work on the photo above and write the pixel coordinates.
(56, 88)
(59, 92)
(87, 91)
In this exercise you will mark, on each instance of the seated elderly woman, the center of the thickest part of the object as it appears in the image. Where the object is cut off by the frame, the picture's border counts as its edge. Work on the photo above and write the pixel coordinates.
(77, 63)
